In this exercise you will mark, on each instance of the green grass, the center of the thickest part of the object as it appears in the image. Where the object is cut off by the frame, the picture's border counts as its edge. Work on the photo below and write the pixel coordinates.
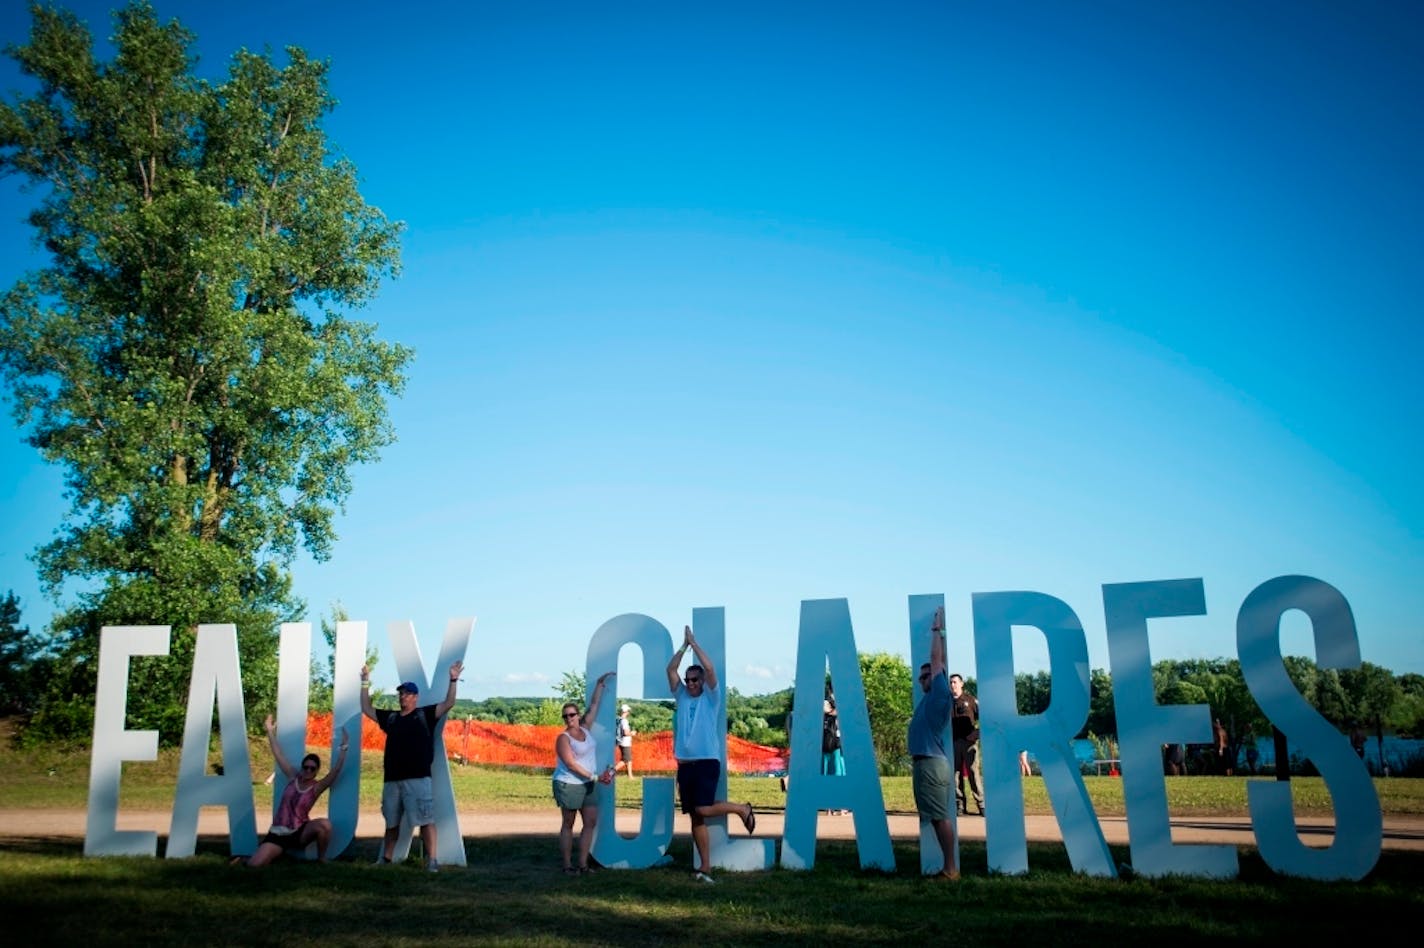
(512, 893)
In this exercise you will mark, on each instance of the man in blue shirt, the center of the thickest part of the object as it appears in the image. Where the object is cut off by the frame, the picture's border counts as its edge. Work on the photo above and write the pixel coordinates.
(932, 781)
(697, 745)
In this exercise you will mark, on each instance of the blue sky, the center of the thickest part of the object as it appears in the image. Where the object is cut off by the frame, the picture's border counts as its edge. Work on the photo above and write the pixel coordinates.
(743, 304)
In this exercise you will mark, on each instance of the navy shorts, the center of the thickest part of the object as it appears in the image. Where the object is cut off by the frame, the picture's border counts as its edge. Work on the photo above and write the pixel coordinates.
(697, 782)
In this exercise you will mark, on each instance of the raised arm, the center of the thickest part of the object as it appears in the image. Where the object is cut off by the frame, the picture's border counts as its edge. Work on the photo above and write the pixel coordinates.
(592, 713)
(283, 764)
(937, 643)
(366, 707)
(443, 708)
(709, 674)
(336, 765)
(674, 678)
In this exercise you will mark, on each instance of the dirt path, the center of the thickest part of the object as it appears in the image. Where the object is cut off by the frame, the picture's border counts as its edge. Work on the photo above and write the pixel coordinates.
(1399, 833)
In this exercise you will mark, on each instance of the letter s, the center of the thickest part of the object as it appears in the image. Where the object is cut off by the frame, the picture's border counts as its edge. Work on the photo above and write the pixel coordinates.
(1358, 823)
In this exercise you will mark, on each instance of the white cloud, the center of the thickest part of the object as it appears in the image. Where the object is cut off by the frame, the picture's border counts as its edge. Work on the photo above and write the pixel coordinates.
(524, 678)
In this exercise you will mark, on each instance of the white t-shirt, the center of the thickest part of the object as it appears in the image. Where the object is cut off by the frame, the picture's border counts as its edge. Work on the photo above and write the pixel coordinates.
(697, 736)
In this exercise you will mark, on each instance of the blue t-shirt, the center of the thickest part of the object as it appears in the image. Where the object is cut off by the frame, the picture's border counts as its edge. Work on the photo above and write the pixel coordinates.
(927, 724)
(695, 736)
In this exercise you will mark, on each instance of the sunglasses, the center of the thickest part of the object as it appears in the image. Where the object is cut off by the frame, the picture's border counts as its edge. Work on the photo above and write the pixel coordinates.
(693, 681)
(309, 766)
(571, 714)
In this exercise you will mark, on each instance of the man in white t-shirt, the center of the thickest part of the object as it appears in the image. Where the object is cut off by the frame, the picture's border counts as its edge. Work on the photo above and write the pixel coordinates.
(697, 745)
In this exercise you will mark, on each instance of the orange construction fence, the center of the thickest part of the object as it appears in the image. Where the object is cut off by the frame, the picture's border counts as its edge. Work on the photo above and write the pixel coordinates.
(532, 745)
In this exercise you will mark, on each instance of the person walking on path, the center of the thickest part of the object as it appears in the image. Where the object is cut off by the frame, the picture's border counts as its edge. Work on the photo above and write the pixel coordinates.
(575, 770)
(930, 773)
(293, 828)
(410, 750)
(625, 740)
(697, 748)
(964, 723)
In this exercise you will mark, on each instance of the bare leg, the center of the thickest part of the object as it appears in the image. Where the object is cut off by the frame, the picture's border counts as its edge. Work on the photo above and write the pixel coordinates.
(317, 831)
(723, 808)
(944, 832)
(566, 838)
(264, 855)
(700, 840)
(428, 839)
(590, 823)
(389, 849)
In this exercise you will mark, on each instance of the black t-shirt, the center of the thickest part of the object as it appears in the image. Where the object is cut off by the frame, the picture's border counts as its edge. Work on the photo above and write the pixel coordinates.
(410, 742)
(964, 718)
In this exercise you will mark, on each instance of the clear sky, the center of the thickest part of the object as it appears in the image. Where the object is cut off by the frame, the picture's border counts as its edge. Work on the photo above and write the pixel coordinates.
(740, 304)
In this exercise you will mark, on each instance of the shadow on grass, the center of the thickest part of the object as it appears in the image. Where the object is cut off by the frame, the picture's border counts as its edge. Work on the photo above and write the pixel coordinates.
(512, 892)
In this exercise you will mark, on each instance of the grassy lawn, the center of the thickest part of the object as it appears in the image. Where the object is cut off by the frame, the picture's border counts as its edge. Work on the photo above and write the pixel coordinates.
(512, 893)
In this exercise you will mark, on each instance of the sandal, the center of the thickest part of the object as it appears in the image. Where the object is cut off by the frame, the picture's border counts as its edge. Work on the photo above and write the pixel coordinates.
(749, 821)
(570, 871)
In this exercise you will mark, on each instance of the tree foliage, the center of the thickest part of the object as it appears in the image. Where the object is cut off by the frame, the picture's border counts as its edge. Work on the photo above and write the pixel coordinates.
(183, 355)
(888, 684)
(24, 666)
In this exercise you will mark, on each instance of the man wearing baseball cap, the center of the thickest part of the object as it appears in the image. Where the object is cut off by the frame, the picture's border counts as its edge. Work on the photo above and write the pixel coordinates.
(625, 739)
(410, 749)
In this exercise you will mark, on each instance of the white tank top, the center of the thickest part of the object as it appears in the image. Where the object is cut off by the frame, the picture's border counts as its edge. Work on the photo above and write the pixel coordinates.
(585, 754)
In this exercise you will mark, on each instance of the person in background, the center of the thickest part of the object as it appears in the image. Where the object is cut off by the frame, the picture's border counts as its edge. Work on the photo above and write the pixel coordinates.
(575, 770)
(1357, 739)
(410, 750)
(625, 739)
(697, 748)
(1222, 748)
(832, 756)
(293, 828)
(1024, 769)
(925, 737)
(964, 721)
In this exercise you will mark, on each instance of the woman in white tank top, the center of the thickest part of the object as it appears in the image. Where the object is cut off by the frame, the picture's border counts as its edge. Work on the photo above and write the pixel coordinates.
(575, 771)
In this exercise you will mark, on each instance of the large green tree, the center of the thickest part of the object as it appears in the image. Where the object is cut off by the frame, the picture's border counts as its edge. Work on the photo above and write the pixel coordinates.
(889, 702)
(183, 353)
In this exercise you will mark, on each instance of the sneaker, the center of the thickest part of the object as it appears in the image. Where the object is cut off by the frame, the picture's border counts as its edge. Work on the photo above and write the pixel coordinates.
(704, 877)
(432, 866)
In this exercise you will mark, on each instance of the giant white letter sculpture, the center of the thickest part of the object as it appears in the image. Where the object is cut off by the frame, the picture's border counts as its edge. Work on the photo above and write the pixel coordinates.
(1143, 726)
(1004, 732)
(113, 745)
(410, 667)
(827, 640)
(922, 613)
(1358, 822)
(655, 829)
(215, 674)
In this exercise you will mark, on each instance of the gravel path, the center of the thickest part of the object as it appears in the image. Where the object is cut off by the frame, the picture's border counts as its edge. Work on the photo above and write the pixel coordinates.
(1399, 833)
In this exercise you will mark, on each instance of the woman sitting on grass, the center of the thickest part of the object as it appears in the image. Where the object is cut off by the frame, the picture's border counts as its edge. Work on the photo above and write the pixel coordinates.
(575, 770)
(293, 827)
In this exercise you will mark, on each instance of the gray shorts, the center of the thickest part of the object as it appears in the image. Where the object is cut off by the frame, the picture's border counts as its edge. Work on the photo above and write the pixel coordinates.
(413, 797)
(933, 787)
(573, 796)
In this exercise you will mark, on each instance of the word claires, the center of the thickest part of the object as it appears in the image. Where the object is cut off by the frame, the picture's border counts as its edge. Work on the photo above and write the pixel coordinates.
(826, 640)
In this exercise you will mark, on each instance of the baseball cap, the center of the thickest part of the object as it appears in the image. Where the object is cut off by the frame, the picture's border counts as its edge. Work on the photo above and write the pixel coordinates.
(625, 708)
(410, 686)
